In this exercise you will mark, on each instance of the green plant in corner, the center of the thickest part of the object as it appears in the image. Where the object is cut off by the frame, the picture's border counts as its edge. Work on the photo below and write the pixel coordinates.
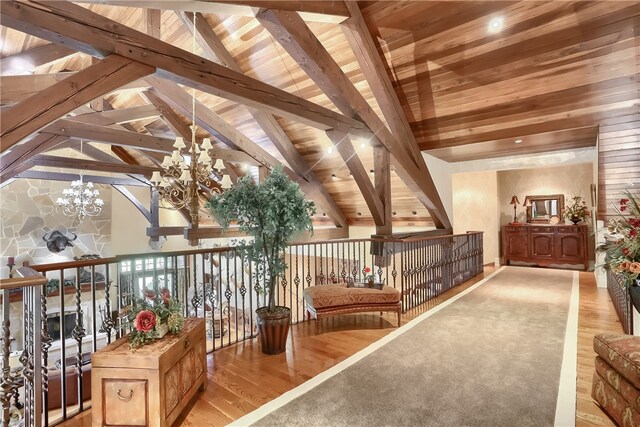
(272, 212)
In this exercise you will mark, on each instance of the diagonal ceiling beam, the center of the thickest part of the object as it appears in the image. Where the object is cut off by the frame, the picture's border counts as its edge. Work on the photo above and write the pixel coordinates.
(296, 38)
(216, 50)
(179, 99)
(33, 58)
(345, 148)
(326, 11)
(14, 89)
(88, 32)
(108, 135)
(20, 153)
(375, 71)
(54, 102)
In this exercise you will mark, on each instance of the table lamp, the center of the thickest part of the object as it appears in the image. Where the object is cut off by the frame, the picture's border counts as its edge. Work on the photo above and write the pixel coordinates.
(514, 202)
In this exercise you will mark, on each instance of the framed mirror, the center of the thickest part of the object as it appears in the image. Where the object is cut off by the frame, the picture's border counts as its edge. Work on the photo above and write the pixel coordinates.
(545, 209)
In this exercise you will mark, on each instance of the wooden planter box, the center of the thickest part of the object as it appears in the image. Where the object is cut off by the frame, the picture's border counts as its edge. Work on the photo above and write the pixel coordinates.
(151, 385)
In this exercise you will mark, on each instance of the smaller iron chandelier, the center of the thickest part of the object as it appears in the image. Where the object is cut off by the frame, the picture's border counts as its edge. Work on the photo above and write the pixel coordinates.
(80, 200)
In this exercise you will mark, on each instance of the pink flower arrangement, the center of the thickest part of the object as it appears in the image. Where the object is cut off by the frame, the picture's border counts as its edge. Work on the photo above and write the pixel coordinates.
(145, 321)
(149, 312)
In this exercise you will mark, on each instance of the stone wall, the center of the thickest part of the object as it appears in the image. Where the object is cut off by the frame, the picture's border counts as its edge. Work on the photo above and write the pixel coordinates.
(28, 212)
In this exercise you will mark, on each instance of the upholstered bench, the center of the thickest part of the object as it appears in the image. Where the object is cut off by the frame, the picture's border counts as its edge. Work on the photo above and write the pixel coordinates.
(616, 380)
(329, 300)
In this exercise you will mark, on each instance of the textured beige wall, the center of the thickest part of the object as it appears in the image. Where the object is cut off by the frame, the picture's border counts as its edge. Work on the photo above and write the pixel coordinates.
(569, 180)
(475, 208)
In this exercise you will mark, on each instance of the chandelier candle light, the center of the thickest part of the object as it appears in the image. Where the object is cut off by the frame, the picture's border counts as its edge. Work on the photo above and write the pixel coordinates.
(184, 170)
(81, 199)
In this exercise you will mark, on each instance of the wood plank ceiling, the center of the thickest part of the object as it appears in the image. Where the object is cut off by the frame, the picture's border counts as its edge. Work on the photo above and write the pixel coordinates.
(548, 76)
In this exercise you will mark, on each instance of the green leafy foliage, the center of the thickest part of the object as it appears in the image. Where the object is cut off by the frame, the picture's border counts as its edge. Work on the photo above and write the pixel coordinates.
(272, 212)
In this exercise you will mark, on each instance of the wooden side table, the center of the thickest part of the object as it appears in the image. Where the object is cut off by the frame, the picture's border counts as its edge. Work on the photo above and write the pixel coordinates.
(151, 385)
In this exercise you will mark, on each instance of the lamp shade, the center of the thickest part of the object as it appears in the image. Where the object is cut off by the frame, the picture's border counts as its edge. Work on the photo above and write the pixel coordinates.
(514, 201)
(206, 144)
(179, 144)
(219, 165)
(226, 182)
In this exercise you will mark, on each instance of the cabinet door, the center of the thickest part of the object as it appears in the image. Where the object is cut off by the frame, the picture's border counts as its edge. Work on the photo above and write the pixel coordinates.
(542, 245)
(570, 246)
(516, 245)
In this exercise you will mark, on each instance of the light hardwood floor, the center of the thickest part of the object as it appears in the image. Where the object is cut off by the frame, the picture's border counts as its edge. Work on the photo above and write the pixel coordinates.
(241, 378)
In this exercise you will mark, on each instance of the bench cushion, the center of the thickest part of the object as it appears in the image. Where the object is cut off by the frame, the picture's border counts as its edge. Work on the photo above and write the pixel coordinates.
(622, 353)
(323, 296)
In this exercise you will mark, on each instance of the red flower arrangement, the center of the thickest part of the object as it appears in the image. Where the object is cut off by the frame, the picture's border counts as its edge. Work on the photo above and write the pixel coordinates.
(623, 254)
(155, 311)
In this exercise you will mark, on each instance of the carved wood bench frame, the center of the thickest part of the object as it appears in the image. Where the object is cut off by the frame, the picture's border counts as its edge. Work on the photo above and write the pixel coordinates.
(354, 308)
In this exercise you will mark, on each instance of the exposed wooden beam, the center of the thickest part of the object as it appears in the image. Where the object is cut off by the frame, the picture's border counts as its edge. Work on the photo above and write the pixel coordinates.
(109, 135)
(165, 231)
(216, 50)
(134, 200)
(10, 175)
(54, 102)
(375, 71)
(88, 32)
(332, 11)
(96, 179)
(33, 58)
(152, 22)
(330, 7)
(96, 104)
(345, 148)
(322, 234)
(20, 153)
(296, 38)
(120, 116)
(14, 89)
(67, 163)
(382, 178)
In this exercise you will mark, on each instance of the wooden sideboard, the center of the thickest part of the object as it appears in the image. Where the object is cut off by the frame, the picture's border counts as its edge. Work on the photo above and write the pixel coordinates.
(151, 385)
(545, 244)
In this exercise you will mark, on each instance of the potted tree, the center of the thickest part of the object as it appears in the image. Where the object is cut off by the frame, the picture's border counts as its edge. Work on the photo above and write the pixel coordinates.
(271, 212)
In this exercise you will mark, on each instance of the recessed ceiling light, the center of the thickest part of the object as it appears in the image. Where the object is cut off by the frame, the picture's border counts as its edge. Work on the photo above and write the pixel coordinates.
(330, 150)
(495, 25)
(518, 141)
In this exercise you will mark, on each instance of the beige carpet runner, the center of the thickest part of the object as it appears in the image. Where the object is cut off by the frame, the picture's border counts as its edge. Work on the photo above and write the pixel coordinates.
(491, 358)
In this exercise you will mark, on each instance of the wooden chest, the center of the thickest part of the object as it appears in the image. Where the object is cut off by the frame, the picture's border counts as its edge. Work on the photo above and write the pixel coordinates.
(151, 385)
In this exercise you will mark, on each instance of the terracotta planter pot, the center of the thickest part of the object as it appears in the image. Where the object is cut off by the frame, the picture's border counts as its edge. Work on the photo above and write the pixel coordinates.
(273, 329)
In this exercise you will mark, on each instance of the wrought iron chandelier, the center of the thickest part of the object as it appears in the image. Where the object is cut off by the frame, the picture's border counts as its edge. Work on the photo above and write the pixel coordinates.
(81, 199)
(188, 168)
